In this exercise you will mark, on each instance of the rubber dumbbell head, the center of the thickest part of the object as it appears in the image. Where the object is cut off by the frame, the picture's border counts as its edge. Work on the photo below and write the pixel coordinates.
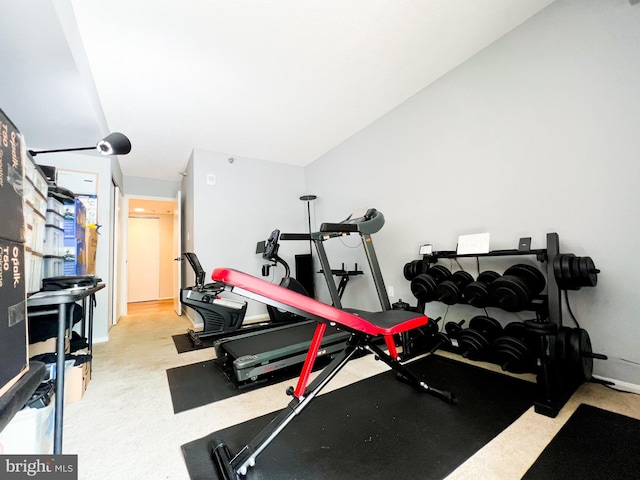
(514, 349)
(477, 293)
(509, 293)
(450, 290)
(475, 341)
(515, 290)
(573, 273)
(443, 340)
(412, 269)
(580, 356)
(532, 276)
(424, 285)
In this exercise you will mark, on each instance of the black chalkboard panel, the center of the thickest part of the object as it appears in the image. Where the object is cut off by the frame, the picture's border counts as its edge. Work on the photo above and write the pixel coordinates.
(11, 180)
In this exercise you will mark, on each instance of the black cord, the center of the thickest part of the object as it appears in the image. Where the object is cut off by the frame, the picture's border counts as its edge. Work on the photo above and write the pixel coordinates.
(348, 246)
(566, 299)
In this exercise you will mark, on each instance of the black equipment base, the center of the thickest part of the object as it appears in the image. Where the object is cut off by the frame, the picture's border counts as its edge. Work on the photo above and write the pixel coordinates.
(251, 357)
(380, 428)
(201, 383)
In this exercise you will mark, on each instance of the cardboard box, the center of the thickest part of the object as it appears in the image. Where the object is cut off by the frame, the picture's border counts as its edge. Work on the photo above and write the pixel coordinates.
(12, 154)
(76, 380)
(13, 314)
(48, 346)
(92, 249)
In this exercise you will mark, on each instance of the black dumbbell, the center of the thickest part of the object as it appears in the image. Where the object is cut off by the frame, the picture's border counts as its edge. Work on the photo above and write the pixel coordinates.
(477, 293)
(449, 291)
(574, 356)
(515, 290)
(475, 341)
(412, 269)
(443, 339)
(420, 339)
(424, 285)
(400, 305)
(514, 349)
(573, 273)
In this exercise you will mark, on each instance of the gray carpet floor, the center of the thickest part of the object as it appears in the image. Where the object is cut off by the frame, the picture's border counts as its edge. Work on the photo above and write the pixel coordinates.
(124, 426)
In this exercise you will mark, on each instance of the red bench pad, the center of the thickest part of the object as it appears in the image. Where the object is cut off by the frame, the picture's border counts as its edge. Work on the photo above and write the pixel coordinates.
(379, 323)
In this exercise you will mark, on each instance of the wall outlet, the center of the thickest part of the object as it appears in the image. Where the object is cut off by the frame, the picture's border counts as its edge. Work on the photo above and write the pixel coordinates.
(391, 291)
(211, 179)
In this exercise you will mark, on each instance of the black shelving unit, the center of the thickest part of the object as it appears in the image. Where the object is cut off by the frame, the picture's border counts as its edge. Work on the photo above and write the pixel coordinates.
(553, 391)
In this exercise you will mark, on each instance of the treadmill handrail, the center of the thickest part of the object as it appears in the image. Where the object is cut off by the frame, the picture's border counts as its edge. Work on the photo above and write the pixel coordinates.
(295, 236)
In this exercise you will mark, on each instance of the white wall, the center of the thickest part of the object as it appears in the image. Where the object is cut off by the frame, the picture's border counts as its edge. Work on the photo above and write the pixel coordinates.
(251, 198)
(150, 187)
(538, 133)
(186, 215)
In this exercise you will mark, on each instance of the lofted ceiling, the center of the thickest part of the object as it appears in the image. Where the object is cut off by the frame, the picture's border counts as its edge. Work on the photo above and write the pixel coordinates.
(282, 80)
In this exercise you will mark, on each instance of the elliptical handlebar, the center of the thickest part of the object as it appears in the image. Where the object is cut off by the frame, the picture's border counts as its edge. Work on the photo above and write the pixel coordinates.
(270, 252)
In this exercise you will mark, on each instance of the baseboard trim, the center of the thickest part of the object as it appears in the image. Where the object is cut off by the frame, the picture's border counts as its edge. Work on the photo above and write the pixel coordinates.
(620, 385)
(256, 318)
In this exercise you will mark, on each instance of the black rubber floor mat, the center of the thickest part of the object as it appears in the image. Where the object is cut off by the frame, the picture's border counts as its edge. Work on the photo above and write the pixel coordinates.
(198, 384)
(594, 444)
(201, 383)
(380, 428)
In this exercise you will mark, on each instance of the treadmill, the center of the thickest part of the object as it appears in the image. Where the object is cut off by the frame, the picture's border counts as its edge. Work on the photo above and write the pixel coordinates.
(364, 223)
(254, 356)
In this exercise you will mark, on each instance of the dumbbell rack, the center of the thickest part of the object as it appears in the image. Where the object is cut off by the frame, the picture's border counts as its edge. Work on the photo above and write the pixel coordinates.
(553, 392)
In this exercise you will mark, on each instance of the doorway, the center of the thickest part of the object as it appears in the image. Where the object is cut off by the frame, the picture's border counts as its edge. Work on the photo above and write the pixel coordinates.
(143, 264)
(151, 234)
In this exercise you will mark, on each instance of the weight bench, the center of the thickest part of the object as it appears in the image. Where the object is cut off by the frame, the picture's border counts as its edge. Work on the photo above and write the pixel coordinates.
(366, 328)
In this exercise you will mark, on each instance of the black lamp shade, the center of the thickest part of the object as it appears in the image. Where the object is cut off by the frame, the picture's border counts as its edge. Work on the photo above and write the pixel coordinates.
(114, 144)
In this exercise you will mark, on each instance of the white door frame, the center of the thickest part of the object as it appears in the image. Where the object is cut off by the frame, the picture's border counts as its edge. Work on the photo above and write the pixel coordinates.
(177, 252)
(118, 240)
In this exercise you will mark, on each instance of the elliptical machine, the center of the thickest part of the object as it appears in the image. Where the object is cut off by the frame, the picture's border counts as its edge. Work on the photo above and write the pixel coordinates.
(269, 250)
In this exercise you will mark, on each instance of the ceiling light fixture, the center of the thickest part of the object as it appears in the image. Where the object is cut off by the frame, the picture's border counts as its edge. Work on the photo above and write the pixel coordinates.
(113, 144)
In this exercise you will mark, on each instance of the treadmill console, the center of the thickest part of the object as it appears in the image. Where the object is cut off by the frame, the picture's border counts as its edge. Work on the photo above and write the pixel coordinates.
(364, 221)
